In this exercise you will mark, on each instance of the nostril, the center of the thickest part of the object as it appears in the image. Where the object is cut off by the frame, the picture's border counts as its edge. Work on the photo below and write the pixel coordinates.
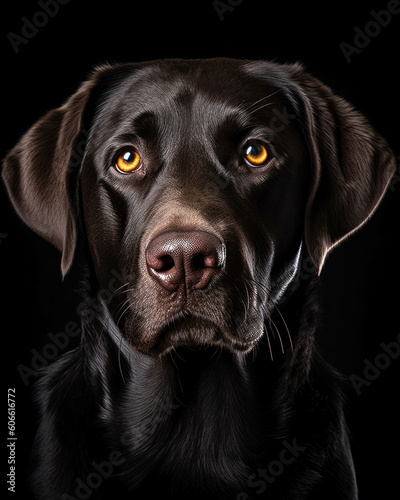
(168, 263)
(190, 258)
(158, 258)
(162, 263)
(201, 261)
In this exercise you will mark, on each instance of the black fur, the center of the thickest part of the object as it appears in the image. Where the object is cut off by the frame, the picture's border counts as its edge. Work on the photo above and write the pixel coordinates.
(202, 383)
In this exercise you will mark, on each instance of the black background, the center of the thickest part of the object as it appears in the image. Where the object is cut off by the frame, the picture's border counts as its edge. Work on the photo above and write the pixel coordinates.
(361, 277)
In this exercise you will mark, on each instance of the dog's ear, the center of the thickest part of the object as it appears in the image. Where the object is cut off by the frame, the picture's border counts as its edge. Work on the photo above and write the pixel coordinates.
(352, 166)
(36, 172)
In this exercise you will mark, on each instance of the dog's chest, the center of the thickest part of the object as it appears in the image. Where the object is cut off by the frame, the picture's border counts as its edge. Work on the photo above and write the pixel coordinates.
(204, 428)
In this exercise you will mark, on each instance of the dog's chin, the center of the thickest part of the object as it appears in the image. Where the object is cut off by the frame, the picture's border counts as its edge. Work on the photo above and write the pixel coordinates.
(187, 330)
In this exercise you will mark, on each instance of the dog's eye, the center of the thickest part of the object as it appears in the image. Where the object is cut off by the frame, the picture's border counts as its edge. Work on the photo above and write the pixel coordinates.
(255, 154)
(128, 161)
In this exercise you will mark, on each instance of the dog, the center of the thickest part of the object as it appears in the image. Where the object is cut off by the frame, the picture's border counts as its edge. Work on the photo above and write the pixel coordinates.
(194, 190)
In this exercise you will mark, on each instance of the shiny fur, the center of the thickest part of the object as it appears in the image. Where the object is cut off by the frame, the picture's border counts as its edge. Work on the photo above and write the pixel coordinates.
(216, 392)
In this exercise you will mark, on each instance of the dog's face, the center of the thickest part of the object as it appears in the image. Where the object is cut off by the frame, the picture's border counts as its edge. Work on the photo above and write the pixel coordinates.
(194, 186)
(201, 182)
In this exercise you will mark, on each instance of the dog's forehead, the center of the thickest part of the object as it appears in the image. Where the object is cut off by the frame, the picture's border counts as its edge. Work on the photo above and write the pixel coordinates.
(199, 85)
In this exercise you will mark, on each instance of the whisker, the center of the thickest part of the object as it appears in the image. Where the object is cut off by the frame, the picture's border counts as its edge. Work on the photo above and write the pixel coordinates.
(119, 290)
(173, 351)
(178, 356)
(247, 306)
(250, 108)
(248, 299)
(123, 308)
(266, 291)
(217, 351)
(119, 360)
(250, 282)
(269, 344)
(279, 336)
(287, 329)
(261, 107)
(259, 100)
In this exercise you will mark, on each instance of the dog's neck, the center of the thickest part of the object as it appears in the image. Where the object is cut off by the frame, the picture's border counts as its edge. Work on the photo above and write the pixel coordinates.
(209, 394)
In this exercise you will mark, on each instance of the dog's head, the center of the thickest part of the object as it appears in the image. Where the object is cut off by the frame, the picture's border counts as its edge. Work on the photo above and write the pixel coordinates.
(199, 182)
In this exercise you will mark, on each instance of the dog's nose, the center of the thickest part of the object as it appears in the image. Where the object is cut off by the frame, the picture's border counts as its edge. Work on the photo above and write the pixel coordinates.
(191, 258)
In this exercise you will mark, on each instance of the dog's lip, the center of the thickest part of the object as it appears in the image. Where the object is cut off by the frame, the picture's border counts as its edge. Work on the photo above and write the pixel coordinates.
(168, 335)
(243, 346)
(183, 320)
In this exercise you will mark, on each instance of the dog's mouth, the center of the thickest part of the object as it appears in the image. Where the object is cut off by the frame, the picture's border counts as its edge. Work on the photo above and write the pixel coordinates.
(186, 329)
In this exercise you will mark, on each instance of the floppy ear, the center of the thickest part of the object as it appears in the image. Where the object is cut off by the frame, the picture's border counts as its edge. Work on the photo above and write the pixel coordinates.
(352, 167)
(36, 173)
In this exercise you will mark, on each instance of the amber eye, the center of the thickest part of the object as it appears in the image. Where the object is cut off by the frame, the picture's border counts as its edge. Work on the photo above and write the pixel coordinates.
(128, 161)
(255, 153)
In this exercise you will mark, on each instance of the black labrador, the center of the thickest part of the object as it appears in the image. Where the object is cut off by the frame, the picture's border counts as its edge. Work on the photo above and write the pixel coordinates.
(202, 187)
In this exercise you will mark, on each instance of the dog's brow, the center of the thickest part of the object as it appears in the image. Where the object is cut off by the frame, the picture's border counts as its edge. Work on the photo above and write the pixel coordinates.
(252, 108)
